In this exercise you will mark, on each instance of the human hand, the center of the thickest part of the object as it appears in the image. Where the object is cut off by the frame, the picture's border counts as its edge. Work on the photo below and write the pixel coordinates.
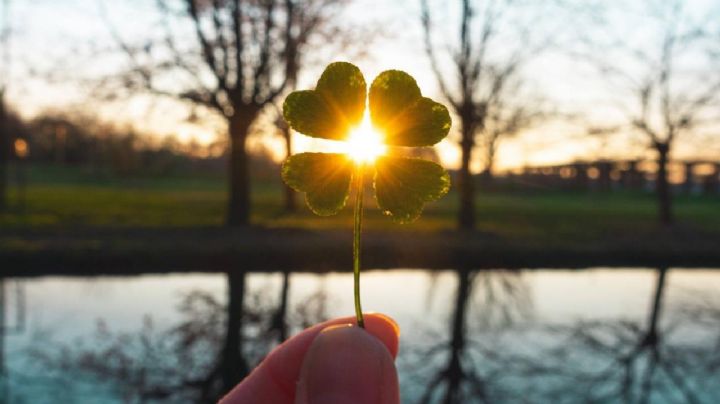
(334, 362)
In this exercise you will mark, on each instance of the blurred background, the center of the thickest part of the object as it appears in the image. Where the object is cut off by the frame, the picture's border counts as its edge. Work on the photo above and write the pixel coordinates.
(149, 251)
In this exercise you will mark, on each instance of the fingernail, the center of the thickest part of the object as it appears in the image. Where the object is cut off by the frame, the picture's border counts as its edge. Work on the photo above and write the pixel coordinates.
(346, 364)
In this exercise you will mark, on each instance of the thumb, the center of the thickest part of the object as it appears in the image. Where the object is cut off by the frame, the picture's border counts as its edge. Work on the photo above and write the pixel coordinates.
(346, 364)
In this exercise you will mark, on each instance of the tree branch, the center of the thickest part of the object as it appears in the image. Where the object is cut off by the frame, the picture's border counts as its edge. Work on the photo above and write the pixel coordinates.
(429, 50)
(208, 49)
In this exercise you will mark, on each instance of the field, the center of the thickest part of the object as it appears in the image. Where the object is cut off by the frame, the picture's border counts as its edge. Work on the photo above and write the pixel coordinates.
(74, 197)
(62, 205)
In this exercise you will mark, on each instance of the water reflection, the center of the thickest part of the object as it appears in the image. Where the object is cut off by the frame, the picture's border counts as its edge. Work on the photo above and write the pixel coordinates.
(476, 337)
(233, 366)
(210, 349)
(658, 359)
(509, 358)
(7, 327)
(502, 299)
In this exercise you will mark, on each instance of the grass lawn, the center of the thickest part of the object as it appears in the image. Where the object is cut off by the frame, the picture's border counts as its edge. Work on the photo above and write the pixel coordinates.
(73, 197)
(81, 224)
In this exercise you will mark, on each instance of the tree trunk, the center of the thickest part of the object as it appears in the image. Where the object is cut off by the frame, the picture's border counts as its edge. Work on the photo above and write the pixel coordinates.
(238, 210)
(689, 180)
(488, 174)
(4, 152)
(663, 186)
(290, 195)
(466, 215)
(233, 366)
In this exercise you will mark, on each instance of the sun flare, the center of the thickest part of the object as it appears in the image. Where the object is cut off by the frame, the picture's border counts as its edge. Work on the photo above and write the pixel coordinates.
(365, 144)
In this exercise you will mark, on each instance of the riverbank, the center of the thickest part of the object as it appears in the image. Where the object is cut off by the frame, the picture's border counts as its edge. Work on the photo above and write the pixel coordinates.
(101, 250)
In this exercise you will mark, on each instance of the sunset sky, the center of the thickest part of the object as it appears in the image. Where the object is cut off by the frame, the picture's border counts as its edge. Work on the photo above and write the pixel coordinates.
(70, 39)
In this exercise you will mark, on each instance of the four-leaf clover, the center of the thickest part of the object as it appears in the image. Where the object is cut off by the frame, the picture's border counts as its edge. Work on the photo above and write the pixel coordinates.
(397, 110)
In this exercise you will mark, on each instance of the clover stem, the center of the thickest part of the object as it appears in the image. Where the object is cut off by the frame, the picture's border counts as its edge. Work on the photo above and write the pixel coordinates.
(357, 239)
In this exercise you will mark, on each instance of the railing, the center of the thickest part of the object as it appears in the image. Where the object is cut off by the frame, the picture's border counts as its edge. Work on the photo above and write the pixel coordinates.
(686, 176)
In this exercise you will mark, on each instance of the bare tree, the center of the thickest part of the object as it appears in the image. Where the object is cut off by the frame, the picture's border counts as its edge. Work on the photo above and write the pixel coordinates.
(245, 55)
(667, 72)
(492, 46)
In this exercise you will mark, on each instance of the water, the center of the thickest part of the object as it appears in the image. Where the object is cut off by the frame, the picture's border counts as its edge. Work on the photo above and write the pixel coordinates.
(594, 335)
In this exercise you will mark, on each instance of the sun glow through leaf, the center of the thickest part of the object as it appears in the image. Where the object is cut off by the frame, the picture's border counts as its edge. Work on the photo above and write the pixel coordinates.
(365, 144)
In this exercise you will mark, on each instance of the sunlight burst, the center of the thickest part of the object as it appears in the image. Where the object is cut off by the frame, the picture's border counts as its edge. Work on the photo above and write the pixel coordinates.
(365, 144)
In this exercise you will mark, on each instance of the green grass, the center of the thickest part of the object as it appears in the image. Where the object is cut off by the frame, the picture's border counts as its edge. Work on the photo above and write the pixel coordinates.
(73, 197)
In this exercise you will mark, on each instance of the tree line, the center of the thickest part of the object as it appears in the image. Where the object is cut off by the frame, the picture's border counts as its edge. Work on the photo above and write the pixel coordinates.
(108, 149)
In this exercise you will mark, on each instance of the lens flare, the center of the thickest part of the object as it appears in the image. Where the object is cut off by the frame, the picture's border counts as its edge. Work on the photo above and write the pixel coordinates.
(365, 144)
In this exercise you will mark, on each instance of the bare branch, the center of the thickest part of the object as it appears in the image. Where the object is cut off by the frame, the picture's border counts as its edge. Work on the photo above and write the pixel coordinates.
(237, 24)
(427, 25)
(207, 48)
(146, 73)
(262, 75)
(668, 103)
(222, 40)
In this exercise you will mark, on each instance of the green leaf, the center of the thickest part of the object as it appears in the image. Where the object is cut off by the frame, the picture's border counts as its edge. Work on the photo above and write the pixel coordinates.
(335, 106)
(390, 93)
(323, 177)
(404, 185)
(404, 116)
(307, 113)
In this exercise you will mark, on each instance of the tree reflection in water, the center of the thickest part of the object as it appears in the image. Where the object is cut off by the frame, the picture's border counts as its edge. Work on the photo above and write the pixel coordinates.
(491, 350)
(621, 360)
(499, 355)
(197, 360)
(502, 299)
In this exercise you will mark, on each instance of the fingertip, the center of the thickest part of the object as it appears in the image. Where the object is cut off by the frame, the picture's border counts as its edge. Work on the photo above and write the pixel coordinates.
(385, 329)
(349, 365)
(389, 320)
